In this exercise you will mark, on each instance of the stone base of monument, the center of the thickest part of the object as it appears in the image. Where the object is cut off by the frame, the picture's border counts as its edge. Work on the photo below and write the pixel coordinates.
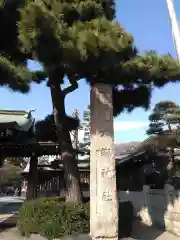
(125, 223)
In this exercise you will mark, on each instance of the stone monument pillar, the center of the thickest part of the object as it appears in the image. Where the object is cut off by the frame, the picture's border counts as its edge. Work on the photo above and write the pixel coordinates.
(103, 192)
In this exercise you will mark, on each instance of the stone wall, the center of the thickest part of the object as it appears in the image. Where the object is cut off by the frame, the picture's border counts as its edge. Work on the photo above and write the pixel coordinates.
(156, 207)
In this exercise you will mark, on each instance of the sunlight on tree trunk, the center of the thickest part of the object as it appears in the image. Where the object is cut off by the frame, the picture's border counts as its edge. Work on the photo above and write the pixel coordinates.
(71, 171)
(103, 192)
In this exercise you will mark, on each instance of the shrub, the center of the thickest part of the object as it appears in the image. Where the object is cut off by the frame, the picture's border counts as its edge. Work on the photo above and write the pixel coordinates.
(53, 218)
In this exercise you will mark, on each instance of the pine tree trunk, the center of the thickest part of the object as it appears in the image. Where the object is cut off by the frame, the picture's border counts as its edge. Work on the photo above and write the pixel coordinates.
(103, 192)
(32, 179)
(173, 170)
(71, 171)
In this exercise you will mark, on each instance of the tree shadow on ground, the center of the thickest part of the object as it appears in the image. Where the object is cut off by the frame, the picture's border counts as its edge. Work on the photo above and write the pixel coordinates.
(4, 227)
(142, 231)
(157, 204)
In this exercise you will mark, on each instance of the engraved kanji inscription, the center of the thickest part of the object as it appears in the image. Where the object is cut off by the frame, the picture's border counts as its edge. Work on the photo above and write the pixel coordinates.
(102, 133)
(104, 151)
(107, 115)
(107, 196)
(107, 173)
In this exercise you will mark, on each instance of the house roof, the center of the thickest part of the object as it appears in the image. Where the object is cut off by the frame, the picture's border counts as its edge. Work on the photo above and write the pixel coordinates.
(153, 141)
(125, 148)
(15, 119)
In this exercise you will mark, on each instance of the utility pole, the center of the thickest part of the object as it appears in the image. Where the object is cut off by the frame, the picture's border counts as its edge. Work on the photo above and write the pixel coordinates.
(174, 26)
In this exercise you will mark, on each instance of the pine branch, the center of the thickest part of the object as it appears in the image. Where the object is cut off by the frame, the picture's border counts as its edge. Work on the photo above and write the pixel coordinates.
(16, 77)
(151, 69)
(39, 76)
(71, 88)
(128, 99)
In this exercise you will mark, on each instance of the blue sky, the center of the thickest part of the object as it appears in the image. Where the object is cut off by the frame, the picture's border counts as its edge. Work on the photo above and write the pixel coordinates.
(148, 22)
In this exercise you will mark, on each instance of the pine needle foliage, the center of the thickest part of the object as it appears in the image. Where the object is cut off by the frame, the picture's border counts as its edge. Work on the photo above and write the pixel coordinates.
(14, 73)
(81, 39)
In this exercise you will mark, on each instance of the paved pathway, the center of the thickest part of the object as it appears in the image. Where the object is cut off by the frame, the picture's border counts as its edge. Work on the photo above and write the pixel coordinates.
(9, 207)
(140, 232)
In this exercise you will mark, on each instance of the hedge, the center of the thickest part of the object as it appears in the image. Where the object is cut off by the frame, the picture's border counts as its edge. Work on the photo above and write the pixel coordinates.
(53, 218)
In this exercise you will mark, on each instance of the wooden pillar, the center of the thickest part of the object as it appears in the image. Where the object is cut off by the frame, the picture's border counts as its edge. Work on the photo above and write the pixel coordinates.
(32, 178)
(103, 193)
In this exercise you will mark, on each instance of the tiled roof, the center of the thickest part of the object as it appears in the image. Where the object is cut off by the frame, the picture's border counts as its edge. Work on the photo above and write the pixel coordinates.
(20, 120)
(14, 112)
(125, 148)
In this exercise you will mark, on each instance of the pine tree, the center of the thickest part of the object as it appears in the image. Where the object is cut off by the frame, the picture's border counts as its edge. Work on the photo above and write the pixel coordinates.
(14, 73)
(80, 39)
(164, 115)
(45, 129)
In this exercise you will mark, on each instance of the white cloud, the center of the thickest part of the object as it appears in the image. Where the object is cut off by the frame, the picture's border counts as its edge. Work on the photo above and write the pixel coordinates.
(128, 125)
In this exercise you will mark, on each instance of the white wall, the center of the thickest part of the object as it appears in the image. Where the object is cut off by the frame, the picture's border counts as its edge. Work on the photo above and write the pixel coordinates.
(158, 207)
